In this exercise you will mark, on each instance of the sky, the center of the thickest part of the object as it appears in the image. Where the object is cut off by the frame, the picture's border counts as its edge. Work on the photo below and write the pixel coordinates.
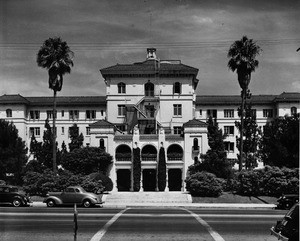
(102, 33)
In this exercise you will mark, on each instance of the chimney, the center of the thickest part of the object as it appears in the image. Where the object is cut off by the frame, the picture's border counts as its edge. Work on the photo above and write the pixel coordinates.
(151, 53)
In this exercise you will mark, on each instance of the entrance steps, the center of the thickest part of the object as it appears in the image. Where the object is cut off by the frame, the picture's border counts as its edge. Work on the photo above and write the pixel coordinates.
(134, 198)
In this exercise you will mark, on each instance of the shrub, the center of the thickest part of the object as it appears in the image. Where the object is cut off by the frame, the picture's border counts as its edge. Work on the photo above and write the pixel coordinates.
(41, 183)
(270, 181)
(105, 181)
(204, 184)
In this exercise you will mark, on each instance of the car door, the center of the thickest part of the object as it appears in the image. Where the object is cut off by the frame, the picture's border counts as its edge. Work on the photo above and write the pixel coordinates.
(68, 195)
(5, 195)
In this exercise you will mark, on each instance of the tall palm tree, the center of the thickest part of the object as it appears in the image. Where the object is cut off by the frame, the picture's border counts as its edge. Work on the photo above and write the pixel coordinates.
(55, 56)
(242, 59)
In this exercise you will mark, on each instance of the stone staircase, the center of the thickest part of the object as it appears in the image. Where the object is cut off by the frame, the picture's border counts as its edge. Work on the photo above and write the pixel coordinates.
(133, 198)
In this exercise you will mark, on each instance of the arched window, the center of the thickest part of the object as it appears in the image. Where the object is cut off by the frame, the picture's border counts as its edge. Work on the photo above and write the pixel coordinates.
(195, 144)
(121, 88)
(149, 89)
(177, 88)
(102, 145)
(293, 110)
(8, 113)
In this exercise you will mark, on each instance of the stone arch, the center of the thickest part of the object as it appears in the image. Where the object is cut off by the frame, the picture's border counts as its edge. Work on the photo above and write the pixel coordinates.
(123, 153)
(149, 153)
(175, 152)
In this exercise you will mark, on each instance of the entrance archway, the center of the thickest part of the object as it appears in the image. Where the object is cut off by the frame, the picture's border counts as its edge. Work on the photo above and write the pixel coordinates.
(149, 180)
(123, 180)
(174, 179)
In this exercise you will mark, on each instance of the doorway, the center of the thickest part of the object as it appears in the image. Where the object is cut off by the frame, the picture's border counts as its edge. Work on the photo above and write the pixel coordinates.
(123, 180)
(149, 180)
(174, 177)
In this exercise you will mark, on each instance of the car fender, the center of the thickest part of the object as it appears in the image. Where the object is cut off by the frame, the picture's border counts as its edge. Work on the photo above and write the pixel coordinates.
(20, 198)
(57, 200)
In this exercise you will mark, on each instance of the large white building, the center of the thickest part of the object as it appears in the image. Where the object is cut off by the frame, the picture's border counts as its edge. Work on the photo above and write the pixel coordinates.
(149, 104)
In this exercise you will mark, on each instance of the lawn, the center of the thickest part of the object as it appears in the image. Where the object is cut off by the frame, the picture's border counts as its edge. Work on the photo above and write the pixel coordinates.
(233, 198)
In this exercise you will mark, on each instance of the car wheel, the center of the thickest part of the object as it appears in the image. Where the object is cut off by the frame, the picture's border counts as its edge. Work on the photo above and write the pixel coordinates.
(87, 203)
(16, 202)
(50, 203)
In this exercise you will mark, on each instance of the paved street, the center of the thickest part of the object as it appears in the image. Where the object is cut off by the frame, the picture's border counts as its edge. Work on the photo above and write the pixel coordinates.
(22, 224)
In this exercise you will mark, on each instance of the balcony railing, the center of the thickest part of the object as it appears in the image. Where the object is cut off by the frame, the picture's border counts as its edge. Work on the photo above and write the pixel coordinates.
(149, 157)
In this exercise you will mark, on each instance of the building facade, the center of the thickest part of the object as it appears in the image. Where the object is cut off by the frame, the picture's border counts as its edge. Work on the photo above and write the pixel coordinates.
(149, 105)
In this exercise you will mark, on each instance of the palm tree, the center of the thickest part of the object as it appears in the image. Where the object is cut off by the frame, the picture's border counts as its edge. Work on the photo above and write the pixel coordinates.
(242, 54)
(55, 56)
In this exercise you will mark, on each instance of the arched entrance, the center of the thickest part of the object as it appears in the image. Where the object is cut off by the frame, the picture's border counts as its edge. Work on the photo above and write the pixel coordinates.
(123, 180)
(149, 180)
(175, 152)
(174, 179)
(123, 153)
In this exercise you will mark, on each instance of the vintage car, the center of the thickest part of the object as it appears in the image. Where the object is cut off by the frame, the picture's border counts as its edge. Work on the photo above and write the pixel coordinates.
(286, 201)
(71, 195)
(287, 229)
(12, 196)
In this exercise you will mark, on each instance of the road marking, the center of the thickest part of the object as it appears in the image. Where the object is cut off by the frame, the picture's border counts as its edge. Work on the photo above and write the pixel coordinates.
(213, 233)
(101, 232)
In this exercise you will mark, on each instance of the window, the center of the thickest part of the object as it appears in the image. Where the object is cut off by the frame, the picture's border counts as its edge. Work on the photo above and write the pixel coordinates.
(8, 113)
(62, 113)
(121, 127)
(177, 110)
(211, 113)
(177, 88)
(73, 114)
(293, 110)
(49, 114)
(200, 112)
(88, 131)
(149, 89)
(90, 114)
(121, 110)
(229, 113)
(121, 88)
(63, 130)
(195, 144)
(229, 130)
(177, 130)
(101, 143)
(253, 112)
(229, 146)
(102, 112)
(34, 131)
(34, 114)
(267, 113)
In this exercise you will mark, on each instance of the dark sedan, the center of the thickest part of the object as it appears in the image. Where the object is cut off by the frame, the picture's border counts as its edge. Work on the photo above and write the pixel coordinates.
(12, 196)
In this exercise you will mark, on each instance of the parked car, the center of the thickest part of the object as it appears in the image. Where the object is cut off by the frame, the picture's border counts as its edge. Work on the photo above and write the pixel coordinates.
(286, 201)
(287, 229)
(71, 195)
(12, 196)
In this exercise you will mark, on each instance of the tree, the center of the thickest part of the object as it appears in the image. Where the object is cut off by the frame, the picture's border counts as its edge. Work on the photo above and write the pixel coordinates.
(56, 56)
(87, 160)
(76, 138)
(242, 54)
(42, 151)
(279, 145)
(215, 160)
(252, 134)
(12, 152)
(162, 170)
(136, 169)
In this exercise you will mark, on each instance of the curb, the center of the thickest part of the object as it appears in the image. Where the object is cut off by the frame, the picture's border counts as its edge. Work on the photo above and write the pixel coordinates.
(182, 205)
